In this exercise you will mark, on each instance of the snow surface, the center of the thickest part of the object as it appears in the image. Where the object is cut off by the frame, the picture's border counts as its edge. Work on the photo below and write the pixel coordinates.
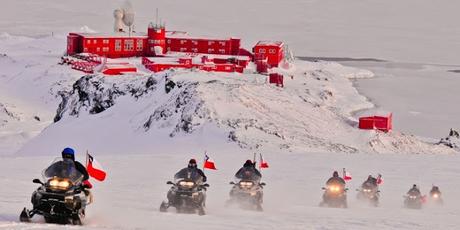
(136, 185)
(140, 159)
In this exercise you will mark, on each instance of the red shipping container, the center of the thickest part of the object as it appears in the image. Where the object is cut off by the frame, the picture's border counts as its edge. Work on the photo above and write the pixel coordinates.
(276, 78)
(382, 123)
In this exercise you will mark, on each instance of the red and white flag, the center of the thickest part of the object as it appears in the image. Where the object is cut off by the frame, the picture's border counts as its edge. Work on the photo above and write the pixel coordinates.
(263, 164)
(208, 163)
(346, 175)
(95, 169)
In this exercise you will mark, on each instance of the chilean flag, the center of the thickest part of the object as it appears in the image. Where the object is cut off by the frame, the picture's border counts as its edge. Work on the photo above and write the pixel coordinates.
(263, 164)
(208, 163)
(379, 179)
(94, 169)
(346, 175)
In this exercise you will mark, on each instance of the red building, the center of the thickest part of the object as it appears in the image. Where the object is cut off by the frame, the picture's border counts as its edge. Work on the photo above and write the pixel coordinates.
(155, 43)
(272, 52)
(222, 54)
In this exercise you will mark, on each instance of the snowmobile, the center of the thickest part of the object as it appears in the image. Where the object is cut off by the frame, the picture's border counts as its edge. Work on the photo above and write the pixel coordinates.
(61, 197)
(435, 195)
(187, 194)
(413, 201)
(248, 192)
(369, 192)
(334, 196)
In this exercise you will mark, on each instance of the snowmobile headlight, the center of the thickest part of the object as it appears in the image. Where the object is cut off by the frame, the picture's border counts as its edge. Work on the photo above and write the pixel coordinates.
(334, 188)
(54, 182)
(412, 197)
(187, 184)
(436, 196)
(59, 184)
(246, 184)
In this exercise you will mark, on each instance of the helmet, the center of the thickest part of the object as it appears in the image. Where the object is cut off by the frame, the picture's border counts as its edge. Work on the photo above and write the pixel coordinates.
(68, 153)
(335, 174)
(192, 163)
(248, 163)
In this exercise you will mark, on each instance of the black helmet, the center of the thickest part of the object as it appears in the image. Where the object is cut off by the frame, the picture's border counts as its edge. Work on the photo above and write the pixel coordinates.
(335, 174)
(248, 163)
(192, 163)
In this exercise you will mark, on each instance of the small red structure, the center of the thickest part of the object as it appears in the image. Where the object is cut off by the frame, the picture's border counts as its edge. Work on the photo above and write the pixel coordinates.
(276, 78)
(118, 68)
(272, 52)
(382, 123)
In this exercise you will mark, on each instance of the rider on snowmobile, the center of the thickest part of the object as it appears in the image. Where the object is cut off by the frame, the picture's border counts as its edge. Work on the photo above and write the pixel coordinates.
(435, 190)
(69, 153)
(371, 182)
(414, 191)
(193, 166)
(250, 167)
(336, 179)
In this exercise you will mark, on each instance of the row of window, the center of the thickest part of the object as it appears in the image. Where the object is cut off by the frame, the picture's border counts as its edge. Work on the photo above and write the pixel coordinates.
(94, 41)
(195, 50)
(195, 42)
(152, 41)
(271, 51)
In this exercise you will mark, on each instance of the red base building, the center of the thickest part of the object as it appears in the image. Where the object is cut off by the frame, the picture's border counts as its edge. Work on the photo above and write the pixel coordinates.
(157, 42)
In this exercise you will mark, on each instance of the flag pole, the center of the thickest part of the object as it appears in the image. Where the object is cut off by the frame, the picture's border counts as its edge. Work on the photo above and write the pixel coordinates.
(260, 166)
(205, 152)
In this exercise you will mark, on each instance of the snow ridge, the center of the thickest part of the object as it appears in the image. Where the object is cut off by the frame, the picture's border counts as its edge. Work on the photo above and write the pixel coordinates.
(312, 113)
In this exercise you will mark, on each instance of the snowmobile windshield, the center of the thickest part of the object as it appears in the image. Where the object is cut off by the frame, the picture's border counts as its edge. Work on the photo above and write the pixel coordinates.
(248, 174)
(189, 175)
(63, 169)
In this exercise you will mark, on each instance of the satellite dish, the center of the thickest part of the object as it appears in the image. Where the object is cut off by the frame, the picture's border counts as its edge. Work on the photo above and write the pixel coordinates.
(128, 15)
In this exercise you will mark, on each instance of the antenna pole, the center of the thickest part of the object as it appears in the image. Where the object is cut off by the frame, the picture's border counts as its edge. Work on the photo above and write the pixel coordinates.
(156, 17)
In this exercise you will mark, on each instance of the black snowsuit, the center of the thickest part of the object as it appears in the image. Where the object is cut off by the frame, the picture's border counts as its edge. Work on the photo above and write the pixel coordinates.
(82, 170)
(199, 171)
(414, 191)
(248, 168)
(336, 180)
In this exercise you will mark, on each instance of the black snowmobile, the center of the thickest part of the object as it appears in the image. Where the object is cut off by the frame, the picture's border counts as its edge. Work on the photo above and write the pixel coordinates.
(187, 194)
(369, 192)
(248, 192)
(435, 195)
(61, 197)
(335, 195)
(413, 201)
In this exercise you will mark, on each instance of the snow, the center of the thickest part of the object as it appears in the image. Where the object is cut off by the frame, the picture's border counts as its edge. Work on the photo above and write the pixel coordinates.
(130, 198)
(305, 130)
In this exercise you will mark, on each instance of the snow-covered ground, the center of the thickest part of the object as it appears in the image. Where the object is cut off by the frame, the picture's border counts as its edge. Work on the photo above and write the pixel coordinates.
(146, 135)
(136, 185)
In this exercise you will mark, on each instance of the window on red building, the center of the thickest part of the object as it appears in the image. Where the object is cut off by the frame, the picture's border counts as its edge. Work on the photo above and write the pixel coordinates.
(128, 45)
(118, 45)
(139, 46)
